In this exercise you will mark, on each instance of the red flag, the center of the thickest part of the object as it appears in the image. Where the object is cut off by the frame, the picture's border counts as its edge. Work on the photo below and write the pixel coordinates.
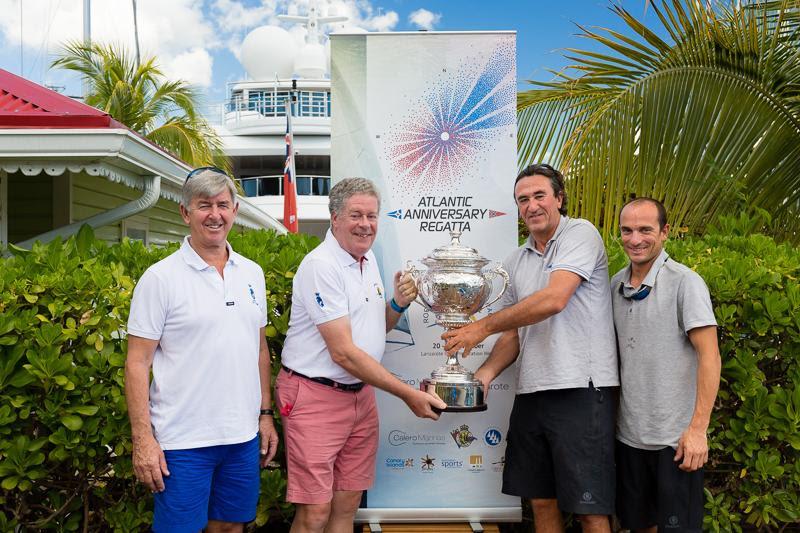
(289, 189)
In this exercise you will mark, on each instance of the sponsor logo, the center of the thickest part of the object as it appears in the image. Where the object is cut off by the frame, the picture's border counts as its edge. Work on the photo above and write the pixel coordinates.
(399, 463)
(452, 463)
(476, 463)
(497, 466)
(673, 522)
(444, 213)
(588, 498)
(319, 299)
(428, 463)
(379, 290)
(463, 436)
(397, 438)
(493, 437)
(499, 386)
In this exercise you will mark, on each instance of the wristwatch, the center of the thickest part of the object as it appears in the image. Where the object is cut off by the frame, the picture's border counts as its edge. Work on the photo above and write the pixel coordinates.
(265, 412)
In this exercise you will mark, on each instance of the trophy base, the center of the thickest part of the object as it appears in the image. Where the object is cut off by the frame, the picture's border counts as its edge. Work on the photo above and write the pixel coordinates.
(460, 397)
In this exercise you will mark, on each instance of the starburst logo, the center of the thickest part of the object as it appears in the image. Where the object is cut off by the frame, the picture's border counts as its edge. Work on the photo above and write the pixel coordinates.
(427, 462)
(457, 119)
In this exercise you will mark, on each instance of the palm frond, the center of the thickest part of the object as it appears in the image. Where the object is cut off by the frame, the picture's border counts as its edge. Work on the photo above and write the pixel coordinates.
(697, 122)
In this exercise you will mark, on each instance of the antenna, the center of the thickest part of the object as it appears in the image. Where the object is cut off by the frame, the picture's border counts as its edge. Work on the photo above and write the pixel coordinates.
(312, 21)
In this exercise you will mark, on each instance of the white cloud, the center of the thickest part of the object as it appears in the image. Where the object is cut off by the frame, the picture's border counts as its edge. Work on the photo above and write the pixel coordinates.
(186, 36)
(167, 29)
(361, 16)
(424, 19)
(233, 15)
(193, 66)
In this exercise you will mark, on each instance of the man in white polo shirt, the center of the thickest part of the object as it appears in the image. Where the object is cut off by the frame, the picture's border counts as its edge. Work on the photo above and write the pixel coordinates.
(198, 317)
(331, 356)
(669, 376)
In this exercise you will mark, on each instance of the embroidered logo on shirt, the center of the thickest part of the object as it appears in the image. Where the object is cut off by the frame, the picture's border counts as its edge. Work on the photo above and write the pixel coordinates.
(319, 300)
(378, 290)
(252, 294)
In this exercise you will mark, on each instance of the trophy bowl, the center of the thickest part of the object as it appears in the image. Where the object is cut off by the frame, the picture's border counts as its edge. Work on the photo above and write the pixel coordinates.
(454, 287)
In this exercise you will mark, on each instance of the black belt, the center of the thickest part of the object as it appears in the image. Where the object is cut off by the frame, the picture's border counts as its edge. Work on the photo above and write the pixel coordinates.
(350, 387)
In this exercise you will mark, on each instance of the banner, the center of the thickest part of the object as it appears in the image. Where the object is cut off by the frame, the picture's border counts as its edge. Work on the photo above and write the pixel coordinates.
(431, 118)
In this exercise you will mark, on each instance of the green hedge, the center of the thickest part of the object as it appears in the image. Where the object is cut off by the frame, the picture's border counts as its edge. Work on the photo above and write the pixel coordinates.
(64, 433)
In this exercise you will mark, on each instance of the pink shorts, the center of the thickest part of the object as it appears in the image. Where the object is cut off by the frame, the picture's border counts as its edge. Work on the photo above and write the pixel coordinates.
(330, 435)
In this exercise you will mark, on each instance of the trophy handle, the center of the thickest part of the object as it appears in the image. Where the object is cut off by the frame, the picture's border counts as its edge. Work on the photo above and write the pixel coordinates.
(415, 274)
(498, 270)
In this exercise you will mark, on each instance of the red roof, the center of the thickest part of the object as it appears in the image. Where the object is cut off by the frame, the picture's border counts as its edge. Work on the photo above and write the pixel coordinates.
(24, 104)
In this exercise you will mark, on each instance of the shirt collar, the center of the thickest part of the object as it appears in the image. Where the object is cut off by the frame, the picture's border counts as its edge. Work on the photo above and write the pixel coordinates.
(649, 279)
(194, 260)
(342, 256)
(562, 224)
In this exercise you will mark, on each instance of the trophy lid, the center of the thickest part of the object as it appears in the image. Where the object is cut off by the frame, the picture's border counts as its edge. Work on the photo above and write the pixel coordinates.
(456, 252)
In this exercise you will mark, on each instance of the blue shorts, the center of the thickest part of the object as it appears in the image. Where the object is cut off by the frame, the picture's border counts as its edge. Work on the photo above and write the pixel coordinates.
(213, 483)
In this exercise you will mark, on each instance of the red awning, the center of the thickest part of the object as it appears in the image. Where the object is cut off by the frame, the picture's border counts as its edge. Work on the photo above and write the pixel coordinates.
(24, 104)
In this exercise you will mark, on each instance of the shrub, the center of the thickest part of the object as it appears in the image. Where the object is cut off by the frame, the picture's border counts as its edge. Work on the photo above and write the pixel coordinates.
(64, 433)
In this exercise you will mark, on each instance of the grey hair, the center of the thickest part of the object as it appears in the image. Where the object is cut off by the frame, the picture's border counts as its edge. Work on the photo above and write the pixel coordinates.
(348, 187)
(206, 184)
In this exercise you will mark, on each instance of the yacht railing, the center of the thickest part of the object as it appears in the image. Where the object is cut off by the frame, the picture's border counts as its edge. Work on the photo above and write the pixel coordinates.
(306, 185)
(270, 103)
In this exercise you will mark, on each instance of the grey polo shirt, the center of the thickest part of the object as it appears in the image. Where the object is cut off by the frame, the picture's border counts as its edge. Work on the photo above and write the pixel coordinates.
(658, 364)
(577, 345)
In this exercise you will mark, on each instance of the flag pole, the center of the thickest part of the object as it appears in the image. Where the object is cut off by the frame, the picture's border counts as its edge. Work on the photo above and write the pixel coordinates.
(289, 175)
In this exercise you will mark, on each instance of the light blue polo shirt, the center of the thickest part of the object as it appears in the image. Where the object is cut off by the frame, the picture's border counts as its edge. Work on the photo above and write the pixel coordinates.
(577, 345)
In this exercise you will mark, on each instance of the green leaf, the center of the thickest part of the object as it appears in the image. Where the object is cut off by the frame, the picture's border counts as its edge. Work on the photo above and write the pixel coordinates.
(72, 422)
(88, 410)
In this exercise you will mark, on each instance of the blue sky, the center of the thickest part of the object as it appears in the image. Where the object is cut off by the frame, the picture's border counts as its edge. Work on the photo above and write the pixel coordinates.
(199, 40)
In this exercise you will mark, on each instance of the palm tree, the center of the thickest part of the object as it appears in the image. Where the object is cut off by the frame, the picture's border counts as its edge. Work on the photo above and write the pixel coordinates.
(706, 119)
(139, 96)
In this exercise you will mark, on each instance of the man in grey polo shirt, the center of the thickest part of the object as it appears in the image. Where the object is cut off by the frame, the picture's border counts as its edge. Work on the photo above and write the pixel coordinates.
(670, 370)
(556, 323)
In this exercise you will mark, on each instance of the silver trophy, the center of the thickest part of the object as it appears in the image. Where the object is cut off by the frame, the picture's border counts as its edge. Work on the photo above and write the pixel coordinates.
(455, 287)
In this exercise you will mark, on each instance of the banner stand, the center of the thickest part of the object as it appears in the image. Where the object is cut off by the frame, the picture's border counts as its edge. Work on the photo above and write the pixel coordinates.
(462, 527)
(430, 118)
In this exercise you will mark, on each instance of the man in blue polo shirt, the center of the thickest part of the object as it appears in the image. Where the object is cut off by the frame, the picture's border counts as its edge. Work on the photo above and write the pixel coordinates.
(203, 425)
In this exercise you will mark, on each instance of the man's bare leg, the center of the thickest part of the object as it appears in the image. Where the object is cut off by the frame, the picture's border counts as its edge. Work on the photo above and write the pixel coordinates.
(310, 517)
(547, 516)
(343, 511)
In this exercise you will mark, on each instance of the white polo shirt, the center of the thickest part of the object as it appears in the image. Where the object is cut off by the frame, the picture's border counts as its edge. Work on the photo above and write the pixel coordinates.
(206, 389)
(330, 284)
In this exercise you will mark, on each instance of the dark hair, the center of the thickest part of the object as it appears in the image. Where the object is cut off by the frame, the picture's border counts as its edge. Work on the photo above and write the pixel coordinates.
(662, 211)
(555, 177)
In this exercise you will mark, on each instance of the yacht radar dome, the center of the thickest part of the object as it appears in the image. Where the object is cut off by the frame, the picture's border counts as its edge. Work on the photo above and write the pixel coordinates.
(267, 52)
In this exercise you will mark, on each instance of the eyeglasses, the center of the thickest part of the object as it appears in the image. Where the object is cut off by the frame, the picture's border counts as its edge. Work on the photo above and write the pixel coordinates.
(197, 171)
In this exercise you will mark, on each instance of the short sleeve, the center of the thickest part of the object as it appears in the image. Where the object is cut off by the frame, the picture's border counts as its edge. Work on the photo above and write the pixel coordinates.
(694, 303)
(262, 297)
(578, 251)
(148, 308)
(509, 297)
(323, 292)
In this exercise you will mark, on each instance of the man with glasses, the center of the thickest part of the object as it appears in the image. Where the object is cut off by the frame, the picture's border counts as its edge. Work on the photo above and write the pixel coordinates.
(331, 362)
(204, 423)
(555, 318)
(669, 373)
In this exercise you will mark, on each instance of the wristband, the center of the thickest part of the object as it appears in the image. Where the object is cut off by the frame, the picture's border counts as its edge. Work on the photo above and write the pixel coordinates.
(265, 412)
(394, 305)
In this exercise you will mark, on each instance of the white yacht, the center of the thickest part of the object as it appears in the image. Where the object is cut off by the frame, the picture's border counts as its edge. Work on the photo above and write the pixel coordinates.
(252, 122)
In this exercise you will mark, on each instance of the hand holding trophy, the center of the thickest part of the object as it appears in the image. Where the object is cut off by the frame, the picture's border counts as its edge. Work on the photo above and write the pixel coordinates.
(455, 287)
